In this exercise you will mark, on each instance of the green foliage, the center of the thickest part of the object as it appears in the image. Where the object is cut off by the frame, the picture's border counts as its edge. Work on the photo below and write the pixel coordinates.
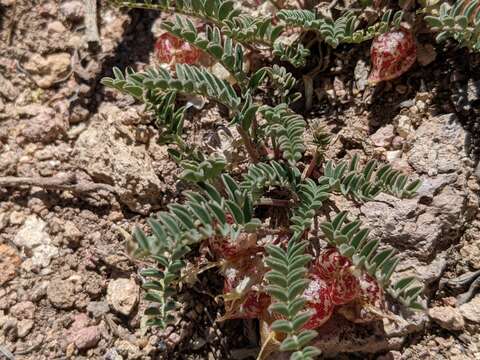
(321, 139)
(351, 240)
(201, 171)
(295, 54)
(341, 30)
(287, 281)
(287, 128)
(281, 81)
(365, 184)
(189, 79)
(460, 22)
(264, 175)
(310, 196)
(252, 30)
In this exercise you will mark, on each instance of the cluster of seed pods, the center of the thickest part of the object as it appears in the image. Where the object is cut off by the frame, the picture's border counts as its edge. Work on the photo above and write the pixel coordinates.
(172, 50)
(333, 283)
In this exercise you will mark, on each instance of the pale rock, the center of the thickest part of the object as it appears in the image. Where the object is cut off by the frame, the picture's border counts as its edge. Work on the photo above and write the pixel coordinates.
(383, 137)
(397, 142)
(439, 146)
(113, 157)
(341, 336)
(127, 350)
(112, 354)
(8, 90)
(49, 69)
(45, 126)
(422, 107)
(361, 75)
(471, 310)
(431, 186)
(42, 255)
(426, 271)
(122, 295)
(403, 126)
(23, 310)
(24, 327)
(393, 155)
(72, 234)
(98, 308)
(32, 233)
(70, 351)
(73, 11)
(75, 41)
(16, 217)
(9, 328)
(400, 326)
(56, 27)
(435, 218)
(33, 237)
(39, 291)
(80, 321)
(8, 162)
(447, 317)
(3, 220)
(156, 27)
(29, 110)
(470, 252)
(61, 294)
(219, 71)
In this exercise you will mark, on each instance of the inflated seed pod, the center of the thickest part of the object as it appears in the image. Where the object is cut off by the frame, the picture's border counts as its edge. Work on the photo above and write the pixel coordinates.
(172, 50)
(319, 299)
(329, 263)
(392, 54)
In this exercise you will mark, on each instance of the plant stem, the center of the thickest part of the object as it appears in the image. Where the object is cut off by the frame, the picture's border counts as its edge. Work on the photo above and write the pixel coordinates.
(274, 202)
(277, 4)
(309, 169)
(251, 150)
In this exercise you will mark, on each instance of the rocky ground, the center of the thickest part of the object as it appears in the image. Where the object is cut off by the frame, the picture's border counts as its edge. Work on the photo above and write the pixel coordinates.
(68, 285)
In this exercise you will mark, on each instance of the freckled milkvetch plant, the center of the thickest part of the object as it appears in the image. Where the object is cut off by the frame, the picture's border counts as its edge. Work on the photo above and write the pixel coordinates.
(259, 215)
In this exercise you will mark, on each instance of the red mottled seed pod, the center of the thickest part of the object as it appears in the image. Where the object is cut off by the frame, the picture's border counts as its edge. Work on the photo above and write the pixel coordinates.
(172, 50)
(371, 292)
(345, 288)
(319, 299)
(251, 303)
(329, 263)
(392, 54)
(225, 248)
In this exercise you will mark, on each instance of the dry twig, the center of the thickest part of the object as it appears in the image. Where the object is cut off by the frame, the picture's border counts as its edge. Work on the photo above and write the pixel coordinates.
(68, 182)
(91, 27)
